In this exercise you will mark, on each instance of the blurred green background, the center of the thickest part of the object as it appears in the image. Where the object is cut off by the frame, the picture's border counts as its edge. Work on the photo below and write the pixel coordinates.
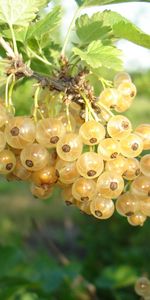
(52, 252)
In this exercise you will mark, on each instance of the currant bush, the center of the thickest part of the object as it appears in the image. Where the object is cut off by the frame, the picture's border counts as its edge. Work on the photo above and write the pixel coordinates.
(85, 148)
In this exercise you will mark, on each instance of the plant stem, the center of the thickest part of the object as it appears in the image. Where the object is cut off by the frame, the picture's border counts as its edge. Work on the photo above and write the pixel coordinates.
(6, 90)
(45, 61)
(69, 32)
(36, 103)
(10, 103)
(91, 110)
(14, 40)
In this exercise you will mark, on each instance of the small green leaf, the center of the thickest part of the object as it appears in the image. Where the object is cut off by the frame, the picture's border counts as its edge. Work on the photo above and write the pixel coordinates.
(16, 12)
(123, 28)
(90, 29)
(47, 24)
(98, 55)
(104, 2)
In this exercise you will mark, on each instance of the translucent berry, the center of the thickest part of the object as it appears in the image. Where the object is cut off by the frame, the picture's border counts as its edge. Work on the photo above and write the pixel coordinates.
(63, 118)
(110, 185)
(120, 78)
(92, 132)
(145, 206)
(84, 189)
(20, 171)
(127, 90)
(102, 208)
(137, 219)
(45, 177)
(90, 165)
(69, 147)
(67, 171)
(119, 127)
(49, 131)
(3, 115)
(109, 97)
(67, 195)
(41, 192)
(142, 286)
(2, 141)
(84, 206)
(7, 161)
(131, 146)
(34, 157)
(132, 169)
(108, 148)
(20, 132)
(118, 164)
(141, 186)
(143, 131)
(127, 204)
(145, 165)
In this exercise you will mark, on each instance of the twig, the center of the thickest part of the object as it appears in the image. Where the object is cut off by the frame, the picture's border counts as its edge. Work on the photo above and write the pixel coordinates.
(9, 51)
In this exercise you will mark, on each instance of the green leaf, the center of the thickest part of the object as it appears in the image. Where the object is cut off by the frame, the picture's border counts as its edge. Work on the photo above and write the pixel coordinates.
(16, 12)
(123, 28)
(90, 29)
(47, 24)
(103, 2)
(98, 55)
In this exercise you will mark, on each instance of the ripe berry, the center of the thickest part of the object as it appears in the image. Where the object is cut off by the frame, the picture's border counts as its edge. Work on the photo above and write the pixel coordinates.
(110, 185)
(118, 164)
(109, 97)
(137, 219)
(67, 171)
(131, 146)
(142, 286)
(141, 187)
(127, 204)
(45, 177)
(108, 148)
(132, 169)
(49, 131)
(40, 192)
(143, 131)
(119, 127)
(92, 132)
(7, 161)
(69, 147)
(34, 157)
(102, 208)
(145, 165)
(2, 141)
(120, 78)
(84, 189)
(90, 165)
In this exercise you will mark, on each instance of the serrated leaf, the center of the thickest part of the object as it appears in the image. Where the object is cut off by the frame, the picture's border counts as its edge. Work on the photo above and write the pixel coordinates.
(90, 29)
(98, 55)
(103, 2)
(16, 12)
(123, 28)
(47, 24)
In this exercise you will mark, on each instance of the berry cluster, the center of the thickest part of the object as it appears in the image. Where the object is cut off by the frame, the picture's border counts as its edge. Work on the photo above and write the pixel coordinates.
(142, 287)
(86, 149)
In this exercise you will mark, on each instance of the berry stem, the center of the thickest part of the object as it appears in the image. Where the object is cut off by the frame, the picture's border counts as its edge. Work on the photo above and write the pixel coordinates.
(68, 116)
(89, 107)
(105, 108)
(69, 32)
(6, 90)
(36, 103)
(14, 41)
(10, 103)
(44, 60)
